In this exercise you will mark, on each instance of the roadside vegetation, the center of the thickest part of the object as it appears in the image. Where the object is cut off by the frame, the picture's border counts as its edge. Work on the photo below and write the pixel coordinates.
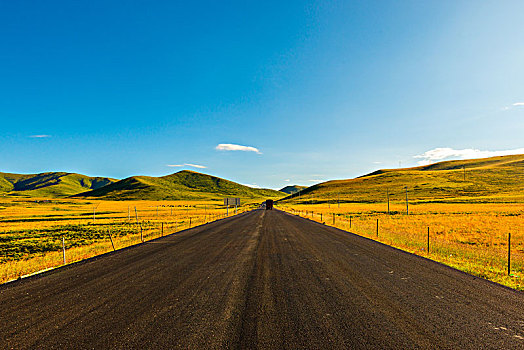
(33, 232)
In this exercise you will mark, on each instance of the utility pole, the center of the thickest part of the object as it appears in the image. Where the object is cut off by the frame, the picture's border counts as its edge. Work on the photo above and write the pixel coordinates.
(407, 203)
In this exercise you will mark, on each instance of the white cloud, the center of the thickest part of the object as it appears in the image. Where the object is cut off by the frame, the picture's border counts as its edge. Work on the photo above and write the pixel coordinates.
(287, 180)
(39, 136)
(186, 164)
(516, 104)
(444, 153)
(251, 185)
(196, 166)
(377, 162)
(232, 147)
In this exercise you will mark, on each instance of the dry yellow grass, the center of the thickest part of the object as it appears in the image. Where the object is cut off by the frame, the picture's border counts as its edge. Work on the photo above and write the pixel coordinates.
(25, 222)
(470, 237)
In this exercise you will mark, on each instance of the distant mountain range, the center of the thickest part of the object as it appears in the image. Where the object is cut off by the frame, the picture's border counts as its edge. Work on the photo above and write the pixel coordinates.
(181, 185)
(499, 179)
(292, 189)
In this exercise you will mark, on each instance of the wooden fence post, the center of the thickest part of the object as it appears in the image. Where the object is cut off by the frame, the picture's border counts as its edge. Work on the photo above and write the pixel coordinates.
(377, 227)
(509, 253)
(141, 233)
(111, 239)
(428, 239)
(63, 249)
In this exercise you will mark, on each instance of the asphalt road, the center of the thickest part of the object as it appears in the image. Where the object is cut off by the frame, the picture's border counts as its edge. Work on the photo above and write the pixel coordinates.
(263, 279)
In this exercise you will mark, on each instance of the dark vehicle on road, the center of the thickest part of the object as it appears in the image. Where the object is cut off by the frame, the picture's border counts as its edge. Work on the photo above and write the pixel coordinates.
(269, 204)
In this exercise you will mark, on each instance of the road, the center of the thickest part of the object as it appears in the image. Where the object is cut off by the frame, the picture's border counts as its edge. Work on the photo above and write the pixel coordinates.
(262, 279)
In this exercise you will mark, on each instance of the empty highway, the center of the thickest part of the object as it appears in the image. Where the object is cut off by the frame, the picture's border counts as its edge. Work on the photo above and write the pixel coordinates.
(262, 279)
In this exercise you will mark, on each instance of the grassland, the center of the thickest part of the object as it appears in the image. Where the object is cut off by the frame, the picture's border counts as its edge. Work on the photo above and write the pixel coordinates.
(489, 180)
(31, 231)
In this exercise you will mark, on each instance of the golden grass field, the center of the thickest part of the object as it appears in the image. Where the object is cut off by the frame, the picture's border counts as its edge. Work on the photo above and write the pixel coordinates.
(470, 237)
(31, 230)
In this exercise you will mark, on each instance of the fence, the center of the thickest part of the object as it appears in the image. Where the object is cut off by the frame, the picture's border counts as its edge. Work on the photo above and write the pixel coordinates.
(454, 239)
(28, 251)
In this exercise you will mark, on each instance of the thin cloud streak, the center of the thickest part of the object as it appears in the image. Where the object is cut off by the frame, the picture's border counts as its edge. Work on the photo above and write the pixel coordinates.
(516, 104)
(233, 147)
(186, 164)
(444, 153)
(40, 136)
(251, 185)
(196, 166)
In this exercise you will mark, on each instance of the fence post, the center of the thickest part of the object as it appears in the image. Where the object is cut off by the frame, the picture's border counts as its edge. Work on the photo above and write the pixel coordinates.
(407, 203)
(320, 216)
(377, 227)
(350, 222)
(162, 234)
(189, 222)
(111, 238)
(509, 253)
(141, 233)
(63, 249)
(428, 239)
(333, 218)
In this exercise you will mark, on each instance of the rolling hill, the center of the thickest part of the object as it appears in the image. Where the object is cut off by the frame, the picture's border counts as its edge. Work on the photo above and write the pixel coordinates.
(292, 189)
(185, 184)
(52, 184)
(495, 179)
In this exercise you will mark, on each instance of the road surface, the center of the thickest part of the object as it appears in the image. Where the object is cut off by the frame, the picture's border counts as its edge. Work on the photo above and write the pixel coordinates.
(262, 279)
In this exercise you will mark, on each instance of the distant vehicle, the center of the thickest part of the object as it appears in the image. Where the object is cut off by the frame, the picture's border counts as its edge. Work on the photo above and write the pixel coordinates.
(269, 204)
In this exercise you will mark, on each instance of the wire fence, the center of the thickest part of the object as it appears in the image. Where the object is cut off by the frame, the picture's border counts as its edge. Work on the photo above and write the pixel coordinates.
(497, 255)
(25, 252)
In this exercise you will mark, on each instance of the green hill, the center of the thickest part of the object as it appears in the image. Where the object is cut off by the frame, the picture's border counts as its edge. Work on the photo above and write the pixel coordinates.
(53, 184)
(185, 185)
(292, 189)
(495, 179)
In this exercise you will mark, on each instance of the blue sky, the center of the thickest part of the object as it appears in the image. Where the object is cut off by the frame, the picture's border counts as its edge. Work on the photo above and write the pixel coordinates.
(319, 90)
